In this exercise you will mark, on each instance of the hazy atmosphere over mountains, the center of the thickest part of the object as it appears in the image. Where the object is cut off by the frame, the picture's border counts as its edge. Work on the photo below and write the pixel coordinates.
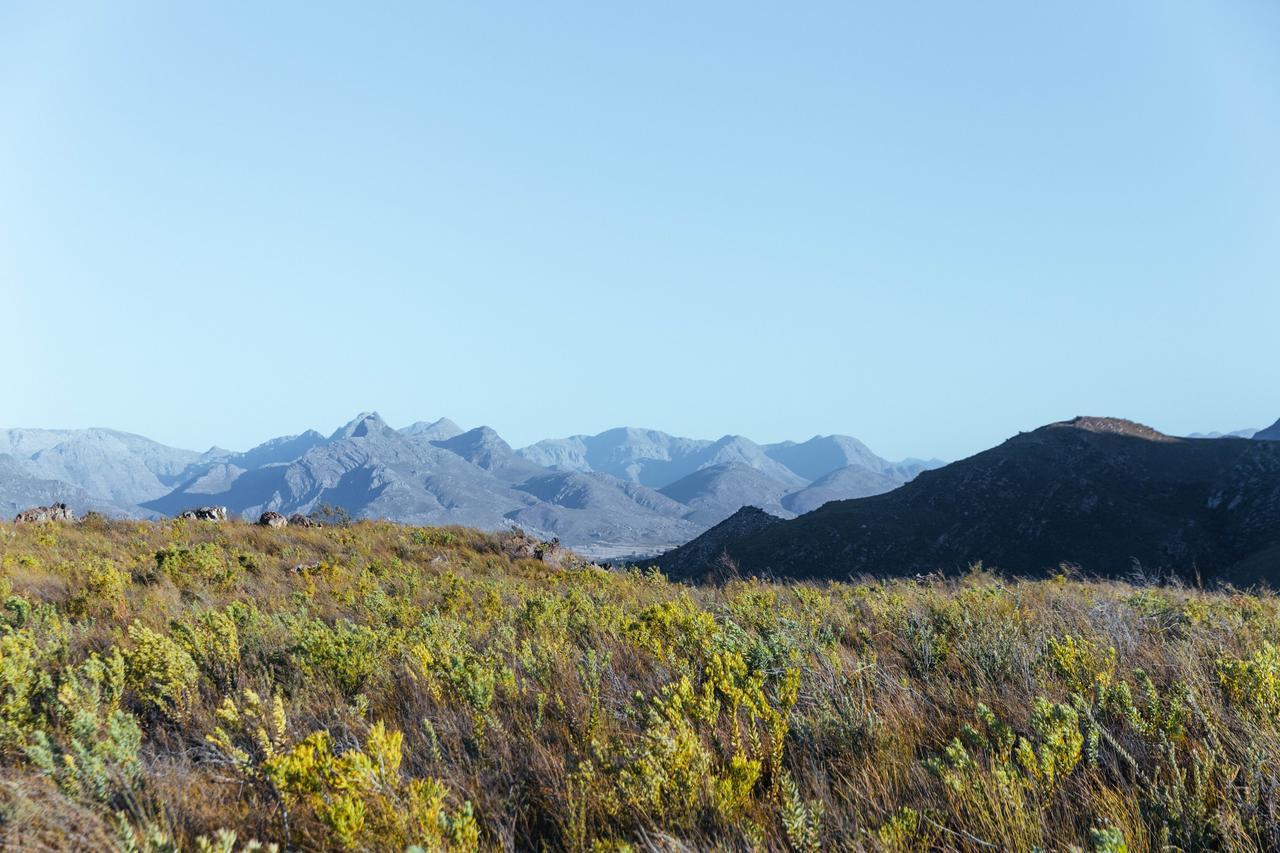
(622, 491)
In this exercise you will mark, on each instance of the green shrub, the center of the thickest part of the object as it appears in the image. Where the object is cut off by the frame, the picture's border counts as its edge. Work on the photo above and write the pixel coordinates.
(160, 673)
(91, 746)
(213, 642)
(378, 687)
(24, 675)
(205, 563)
(1253, 683)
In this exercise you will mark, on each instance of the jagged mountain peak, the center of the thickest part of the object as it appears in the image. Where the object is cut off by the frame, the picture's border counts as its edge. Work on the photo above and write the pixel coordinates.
(585, 489)
(485, 449)
(361, 425)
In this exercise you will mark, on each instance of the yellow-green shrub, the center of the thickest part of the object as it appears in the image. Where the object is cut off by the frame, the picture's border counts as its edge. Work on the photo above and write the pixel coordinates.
(213, 642)
(1253, 683)
(160, 672)
(90, 746)
(24, 675)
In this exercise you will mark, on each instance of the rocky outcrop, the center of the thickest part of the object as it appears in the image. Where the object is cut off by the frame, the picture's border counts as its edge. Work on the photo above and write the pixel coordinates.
(520, 546)
(551, 553)
(1112, 426)
(272, 519)
(39, 514)
(204, 513)
(300, 520)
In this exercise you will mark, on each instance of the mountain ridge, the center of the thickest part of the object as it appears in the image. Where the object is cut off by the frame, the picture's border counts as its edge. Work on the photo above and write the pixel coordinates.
(1102, 493)
(604, 490)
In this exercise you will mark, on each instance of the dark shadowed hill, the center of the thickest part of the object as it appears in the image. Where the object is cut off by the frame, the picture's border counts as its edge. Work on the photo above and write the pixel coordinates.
(1271, 433)
(707, 555)
(1104, 494)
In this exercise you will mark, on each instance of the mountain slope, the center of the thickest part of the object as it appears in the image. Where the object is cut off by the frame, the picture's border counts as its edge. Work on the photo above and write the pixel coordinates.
(846, 483)
(602, 510)
(111, 466)
(19, 490)
(438, 430)
(713, 494)
(472, 478)
(654, 458)
(706, 554)
(645, 456)
(372, 471)
(1271, 433)
(657, 459)
(587, 490)
(823, 454)
(1097, 492)
(485, 449)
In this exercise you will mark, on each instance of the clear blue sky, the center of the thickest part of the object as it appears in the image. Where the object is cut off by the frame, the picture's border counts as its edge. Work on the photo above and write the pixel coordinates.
(928, 225)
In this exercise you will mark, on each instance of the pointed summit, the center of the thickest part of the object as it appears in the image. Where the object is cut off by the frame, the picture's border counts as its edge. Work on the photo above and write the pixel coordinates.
(363, 424)
(481, 446)
(439, 430)
(486, 449)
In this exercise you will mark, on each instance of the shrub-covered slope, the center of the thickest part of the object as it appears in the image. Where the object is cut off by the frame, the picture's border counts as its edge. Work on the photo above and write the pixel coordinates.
(1101, 493)
(163, 685)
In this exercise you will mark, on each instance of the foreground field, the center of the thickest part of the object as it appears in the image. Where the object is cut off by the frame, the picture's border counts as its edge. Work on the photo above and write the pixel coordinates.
(206, 686)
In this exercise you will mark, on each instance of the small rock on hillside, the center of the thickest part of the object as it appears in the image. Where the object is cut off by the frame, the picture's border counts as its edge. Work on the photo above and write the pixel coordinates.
(205, 513)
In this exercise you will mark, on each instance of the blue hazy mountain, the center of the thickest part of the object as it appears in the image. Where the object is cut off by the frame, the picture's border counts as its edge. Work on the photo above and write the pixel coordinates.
(1238, 433)
(623, 490)
(117, 467)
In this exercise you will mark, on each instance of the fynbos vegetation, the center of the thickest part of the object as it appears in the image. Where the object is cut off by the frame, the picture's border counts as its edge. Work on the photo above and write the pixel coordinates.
(231, 687)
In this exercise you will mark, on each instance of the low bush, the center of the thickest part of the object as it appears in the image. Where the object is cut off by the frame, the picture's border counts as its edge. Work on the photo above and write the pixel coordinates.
(366, 686)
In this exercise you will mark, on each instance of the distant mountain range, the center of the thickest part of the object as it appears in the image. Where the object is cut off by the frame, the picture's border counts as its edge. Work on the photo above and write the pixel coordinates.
(1106, 495)
(1238, 433)
(620, 492)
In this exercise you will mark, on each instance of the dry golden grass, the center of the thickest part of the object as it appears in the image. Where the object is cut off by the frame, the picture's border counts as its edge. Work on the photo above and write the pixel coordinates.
(381, 686)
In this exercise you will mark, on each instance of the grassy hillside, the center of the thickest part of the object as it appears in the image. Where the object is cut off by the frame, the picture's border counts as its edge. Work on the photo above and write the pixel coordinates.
(380, 686)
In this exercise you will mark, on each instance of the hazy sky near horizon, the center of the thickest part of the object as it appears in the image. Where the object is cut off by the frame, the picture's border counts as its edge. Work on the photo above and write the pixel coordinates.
(929, 225)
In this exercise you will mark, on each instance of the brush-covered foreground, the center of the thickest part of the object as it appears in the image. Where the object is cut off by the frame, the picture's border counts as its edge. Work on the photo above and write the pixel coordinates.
(217, 687)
